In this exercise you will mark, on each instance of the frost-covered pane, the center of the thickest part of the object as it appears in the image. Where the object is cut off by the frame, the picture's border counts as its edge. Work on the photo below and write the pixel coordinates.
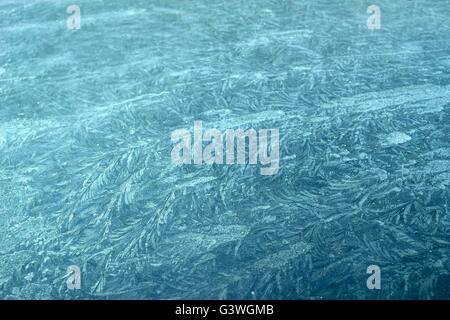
(88, 106)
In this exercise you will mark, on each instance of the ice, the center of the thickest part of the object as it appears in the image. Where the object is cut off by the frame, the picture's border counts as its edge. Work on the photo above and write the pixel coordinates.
(86, 176)
(395, 138)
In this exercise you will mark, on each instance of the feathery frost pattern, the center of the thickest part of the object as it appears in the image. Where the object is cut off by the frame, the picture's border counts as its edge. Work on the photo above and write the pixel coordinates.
(86, 176)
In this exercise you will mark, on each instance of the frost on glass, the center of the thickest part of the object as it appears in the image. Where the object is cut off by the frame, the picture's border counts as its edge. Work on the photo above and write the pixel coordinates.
(86, 178)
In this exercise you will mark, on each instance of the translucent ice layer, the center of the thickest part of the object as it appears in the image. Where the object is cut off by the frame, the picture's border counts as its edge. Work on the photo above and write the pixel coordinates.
(86, 177)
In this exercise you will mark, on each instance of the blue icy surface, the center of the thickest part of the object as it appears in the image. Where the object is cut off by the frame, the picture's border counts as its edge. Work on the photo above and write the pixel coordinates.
(85, 171)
